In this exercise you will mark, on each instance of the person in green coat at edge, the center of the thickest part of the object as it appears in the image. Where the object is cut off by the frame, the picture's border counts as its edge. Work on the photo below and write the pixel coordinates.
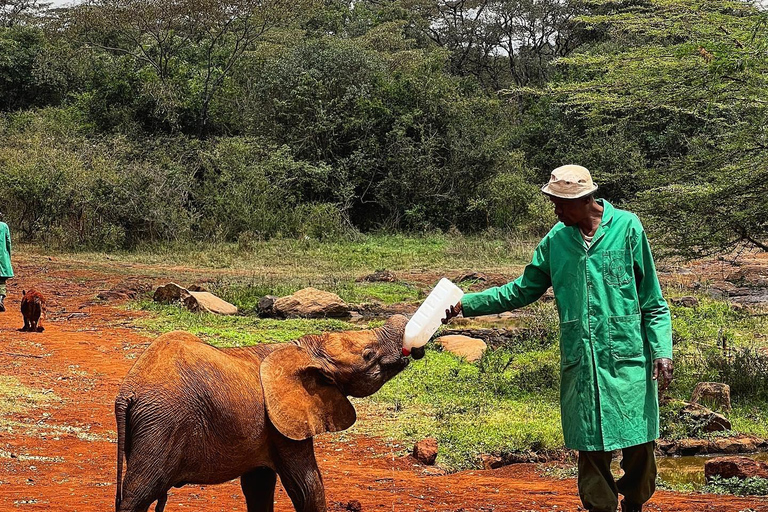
(615, 336)
(6, 271)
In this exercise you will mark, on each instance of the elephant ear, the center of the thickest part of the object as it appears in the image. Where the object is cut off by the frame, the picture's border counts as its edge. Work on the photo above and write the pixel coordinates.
(301, 402)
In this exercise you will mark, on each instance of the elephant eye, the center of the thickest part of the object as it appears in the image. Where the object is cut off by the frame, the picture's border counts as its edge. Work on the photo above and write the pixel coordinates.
(368, 354)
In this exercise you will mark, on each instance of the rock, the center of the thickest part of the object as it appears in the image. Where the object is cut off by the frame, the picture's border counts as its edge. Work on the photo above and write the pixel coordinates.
(491, 461)
(112, 295)
(266, 305)
(311, 303)
(692, 447)
(205, 302)
(380, 276)
(125, 290)
(729, 445)
(703, 419)
(470, 349)
(686, 302)
(712, 393)
(170, 292)
(197, 288)
(354, 506)
(739, 308)
(470, 276)
(425, 451)
(666, 447)
(434, 471)
(739, 467)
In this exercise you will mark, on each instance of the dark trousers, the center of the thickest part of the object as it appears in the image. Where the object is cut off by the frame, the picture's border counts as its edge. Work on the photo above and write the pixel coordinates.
(598, 490)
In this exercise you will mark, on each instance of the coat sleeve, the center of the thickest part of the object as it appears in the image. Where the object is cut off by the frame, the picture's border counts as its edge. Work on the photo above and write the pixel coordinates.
(522, 291)
(657, 322)
(8, 241)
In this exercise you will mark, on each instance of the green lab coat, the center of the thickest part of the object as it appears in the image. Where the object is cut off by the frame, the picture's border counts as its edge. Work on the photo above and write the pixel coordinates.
(5, 251)
(613, 323)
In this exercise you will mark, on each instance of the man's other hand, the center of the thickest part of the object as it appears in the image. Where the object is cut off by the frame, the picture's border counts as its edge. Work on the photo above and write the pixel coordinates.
(452, 312)
(663, 367)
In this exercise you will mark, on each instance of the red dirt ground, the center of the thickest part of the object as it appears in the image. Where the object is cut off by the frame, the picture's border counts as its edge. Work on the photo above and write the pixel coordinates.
(61, 456)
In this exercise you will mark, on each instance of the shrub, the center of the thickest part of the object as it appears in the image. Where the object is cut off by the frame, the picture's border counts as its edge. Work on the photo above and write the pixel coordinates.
(753, 486)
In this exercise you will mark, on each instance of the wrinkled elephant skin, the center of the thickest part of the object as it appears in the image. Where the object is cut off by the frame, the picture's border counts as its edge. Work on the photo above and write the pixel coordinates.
(188, 412)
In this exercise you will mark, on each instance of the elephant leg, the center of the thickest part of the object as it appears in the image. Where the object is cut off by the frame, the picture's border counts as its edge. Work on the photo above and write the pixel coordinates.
(141, 489)
(299, 474)
(161, 501)
(259, 489)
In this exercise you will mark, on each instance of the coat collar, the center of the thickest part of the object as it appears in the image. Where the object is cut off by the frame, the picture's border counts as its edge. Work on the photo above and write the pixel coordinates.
(605, 224)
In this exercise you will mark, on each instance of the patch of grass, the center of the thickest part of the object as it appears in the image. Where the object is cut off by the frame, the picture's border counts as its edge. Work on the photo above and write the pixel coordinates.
(364, 253)
(749, 416)
(753, 486)
(16, 398)
(559, 471)
(472, 409)
(233, 331)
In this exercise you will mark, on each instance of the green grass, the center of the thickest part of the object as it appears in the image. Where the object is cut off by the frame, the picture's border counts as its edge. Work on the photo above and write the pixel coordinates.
(309, 257)
(232, 331)
(16, 398)
(471, 409)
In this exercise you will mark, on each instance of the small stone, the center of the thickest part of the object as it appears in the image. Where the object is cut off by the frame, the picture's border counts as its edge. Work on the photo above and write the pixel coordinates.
(266, 305)
(692, 446)
(311, 303)
(425, 451)
(491, 461)
(686, 302)
(703, 419)
(380, 276)
(715, 393)
(170, 292)
(471, 276)
(204, 302)
(470, 349)
(354, 506)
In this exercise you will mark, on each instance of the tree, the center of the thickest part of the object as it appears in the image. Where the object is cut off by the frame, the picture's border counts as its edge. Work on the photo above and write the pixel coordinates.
(20, 12)
(500, 42)
(687, 82)
(186, 49)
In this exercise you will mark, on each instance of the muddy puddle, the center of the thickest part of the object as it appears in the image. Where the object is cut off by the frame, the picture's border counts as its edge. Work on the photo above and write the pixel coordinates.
(688, 471)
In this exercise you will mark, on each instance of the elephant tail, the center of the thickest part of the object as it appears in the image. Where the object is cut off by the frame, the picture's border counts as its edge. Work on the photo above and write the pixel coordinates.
(122, 404)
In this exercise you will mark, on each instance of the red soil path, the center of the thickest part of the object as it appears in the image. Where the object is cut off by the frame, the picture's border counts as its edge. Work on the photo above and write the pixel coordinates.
(61, 456)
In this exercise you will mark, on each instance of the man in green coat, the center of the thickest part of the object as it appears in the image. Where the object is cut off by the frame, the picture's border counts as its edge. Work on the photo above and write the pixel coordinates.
(6, 271)
(615, 336)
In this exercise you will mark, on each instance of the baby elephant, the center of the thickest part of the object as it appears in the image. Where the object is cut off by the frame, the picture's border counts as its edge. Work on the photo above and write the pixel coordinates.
(32, 306)
(190, 413)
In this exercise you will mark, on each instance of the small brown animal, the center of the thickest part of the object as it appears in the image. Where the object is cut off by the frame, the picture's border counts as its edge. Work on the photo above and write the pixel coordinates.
(32, 306)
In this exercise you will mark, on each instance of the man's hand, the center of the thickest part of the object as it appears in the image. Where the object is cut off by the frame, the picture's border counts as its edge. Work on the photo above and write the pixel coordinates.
(663, 367)
(452, 312)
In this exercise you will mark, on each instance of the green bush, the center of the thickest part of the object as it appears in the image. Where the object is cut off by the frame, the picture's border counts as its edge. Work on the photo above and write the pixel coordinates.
(752, 486)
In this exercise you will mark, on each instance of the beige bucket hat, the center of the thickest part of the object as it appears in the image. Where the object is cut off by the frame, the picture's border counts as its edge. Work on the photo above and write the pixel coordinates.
(569, 182)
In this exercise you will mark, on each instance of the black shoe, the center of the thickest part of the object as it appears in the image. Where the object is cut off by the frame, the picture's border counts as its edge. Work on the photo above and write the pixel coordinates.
(2, 306)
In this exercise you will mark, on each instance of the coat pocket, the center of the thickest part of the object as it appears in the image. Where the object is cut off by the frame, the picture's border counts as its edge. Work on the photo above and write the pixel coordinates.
(617, 267)
(625, 336)
(570, 342)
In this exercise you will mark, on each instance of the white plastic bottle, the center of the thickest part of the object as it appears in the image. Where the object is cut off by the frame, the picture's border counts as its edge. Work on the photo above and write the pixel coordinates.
(428, 317)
